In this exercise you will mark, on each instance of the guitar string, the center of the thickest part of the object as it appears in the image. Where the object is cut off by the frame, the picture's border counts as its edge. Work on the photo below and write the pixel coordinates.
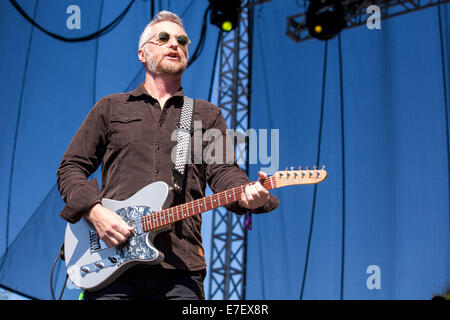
(161, 218)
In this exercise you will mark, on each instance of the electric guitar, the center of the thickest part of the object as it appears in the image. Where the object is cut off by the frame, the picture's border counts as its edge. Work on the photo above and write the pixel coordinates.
(92, 265)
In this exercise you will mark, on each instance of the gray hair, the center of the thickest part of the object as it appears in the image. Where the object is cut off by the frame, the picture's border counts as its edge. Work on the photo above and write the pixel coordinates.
(161, 16)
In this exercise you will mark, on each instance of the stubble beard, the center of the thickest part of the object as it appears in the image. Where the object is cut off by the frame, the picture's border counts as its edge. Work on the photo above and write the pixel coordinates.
(159, 66)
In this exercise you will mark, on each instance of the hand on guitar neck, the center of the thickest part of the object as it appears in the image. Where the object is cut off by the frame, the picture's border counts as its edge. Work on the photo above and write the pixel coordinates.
(255, 195)
(110, 226)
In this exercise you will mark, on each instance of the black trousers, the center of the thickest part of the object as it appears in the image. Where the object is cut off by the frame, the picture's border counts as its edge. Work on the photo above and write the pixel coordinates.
(144, 283)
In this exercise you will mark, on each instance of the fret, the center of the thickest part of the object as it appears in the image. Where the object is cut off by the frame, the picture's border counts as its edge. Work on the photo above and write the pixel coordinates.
(149, 221)
(153, 221)
(186, 213)
(192, 208)
(218, 198)
(156, 221)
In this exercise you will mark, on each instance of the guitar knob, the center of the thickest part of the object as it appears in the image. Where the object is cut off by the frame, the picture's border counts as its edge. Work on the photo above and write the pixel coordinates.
(84, 269)
(99, 264)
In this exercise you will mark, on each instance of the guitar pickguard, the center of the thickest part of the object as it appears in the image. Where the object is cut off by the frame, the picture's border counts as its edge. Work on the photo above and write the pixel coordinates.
(139, 245)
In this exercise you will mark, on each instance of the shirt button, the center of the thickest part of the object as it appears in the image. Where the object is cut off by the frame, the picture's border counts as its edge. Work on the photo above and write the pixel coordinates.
(159, 124)
(156, 170)
(157, 147)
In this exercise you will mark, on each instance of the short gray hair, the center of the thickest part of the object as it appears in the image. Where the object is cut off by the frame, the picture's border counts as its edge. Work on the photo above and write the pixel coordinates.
(161, 16)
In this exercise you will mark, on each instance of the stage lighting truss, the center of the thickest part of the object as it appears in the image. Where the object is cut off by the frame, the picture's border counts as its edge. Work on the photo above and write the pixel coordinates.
(356, 14)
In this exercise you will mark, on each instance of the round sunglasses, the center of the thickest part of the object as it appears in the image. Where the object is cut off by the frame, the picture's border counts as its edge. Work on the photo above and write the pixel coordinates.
(164, 37)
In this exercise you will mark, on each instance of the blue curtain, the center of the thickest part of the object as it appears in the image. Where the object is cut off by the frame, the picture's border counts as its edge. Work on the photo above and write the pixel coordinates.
(378, 226)
(377, 123)
(47, 87)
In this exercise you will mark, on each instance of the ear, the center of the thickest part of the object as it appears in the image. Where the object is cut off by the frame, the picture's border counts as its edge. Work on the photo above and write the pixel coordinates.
(141, 55)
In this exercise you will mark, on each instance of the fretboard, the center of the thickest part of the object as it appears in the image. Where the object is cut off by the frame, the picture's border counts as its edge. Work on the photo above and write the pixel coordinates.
(168, 216)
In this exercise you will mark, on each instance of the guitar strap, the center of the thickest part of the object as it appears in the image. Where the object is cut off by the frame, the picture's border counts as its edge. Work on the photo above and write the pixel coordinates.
(184, 131)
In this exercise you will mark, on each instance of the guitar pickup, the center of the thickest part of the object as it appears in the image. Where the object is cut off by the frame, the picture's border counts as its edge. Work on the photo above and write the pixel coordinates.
(95, 243)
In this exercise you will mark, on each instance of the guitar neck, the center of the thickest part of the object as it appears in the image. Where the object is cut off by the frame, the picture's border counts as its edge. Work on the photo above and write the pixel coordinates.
(168, 216)
(279, 179)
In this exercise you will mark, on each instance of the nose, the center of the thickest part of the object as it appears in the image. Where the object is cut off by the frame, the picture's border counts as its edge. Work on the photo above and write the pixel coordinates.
(173, 42)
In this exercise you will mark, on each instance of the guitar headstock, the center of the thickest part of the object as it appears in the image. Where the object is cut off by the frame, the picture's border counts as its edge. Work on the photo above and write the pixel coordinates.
(300, 176)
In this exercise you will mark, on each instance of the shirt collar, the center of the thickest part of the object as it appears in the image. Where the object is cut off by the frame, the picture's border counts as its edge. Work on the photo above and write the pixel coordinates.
(140, 92)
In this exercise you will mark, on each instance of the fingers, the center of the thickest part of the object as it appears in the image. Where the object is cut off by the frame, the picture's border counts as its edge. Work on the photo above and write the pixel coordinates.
(109, 226)
(254, 195)
(262, 175)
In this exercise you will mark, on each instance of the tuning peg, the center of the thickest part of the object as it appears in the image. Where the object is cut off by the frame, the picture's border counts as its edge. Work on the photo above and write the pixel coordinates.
(307, 167)
(315, 167)
(323, 167)
(286, 169)
(292, 168)
(299, 167)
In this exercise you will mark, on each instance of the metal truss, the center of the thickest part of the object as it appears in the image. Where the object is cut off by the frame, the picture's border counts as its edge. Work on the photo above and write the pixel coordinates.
(356, 14)
(229, 236)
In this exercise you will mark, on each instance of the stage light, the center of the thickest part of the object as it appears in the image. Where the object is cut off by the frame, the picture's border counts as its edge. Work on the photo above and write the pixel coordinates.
(325, 18)
(225, 13)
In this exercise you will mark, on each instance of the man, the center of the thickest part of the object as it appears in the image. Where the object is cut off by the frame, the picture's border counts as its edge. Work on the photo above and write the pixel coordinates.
(130, 134)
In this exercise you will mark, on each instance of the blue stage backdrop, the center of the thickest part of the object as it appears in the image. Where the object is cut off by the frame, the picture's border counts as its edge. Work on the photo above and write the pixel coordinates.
(377, 228)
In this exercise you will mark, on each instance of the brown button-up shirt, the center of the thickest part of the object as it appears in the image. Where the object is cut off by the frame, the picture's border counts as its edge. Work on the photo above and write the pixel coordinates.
(132, 137)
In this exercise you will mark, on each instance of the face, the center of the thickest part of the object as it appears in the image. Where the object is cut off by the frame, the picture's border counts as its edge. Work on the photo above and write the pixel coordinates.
(164, 57)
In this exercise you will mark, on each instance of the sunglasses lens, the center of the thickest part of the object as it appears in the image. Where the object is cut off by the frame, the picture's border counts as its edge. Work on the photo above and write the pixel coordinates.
(164, 36)
(182, 40)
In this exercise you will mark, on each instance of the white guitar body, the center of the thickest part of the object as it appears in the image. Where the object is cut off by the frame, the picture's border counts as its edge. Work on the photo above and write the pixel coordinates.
(91, 265)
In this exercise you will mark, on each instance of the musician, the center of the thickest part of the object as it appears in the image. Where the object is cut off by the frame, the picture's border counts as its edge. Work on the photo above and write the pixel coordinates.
(130, 135)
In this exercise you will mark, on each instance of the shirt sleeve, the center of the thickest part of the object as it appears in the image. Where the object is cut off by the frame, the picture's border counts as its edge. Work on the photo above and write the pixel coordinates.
(222, 171)
(81, 159)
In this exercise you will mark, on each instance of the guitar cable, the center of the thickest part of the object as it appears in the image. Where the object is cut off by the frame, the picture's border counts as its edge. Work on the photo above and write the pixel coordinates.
(59, 255)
